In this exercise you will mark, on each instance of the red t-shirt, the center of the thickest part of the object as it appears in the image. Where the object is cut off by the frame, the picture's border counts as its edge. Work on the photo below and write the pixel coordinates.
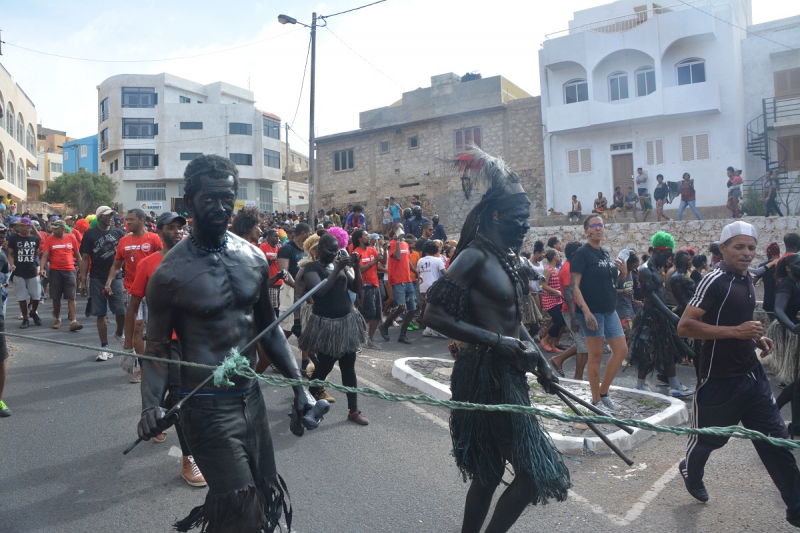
(132, 250)
(399, 269)
(145, 270)
(367, 256)
(563, 277)
(272, 256)
(62, 251)
(77, 234)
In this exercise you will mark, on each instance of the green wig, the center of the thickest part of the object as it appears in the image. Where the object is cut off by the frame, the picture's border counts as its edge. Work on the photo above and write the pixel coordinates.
(662, 239)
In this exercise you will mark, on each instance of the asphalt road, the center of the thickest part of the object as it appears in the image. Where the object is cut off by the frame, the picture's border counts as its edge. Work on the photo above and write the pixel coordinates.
(62, 468)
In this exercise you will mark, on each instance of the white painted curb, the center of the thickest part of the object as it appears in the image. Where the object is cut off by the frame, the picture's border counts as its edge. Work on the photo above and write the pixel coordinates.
(673, 415)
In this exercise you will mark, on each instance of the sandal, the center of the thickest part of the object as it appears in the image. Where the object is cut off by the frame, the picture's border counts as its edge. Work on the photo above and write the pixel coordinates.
(549, 348)
(559, 370)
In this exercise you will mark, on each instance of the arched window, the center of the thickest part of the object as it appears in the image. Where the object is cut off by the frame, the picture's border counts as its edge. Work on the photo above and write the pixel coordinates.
(10, 119)
(30, 140)
(691, 71)
(645, 81)
(2, 117)
(618, 86)
(576, 91)
(10, 170)
(2, 160)
(20, 129)
(20, 174)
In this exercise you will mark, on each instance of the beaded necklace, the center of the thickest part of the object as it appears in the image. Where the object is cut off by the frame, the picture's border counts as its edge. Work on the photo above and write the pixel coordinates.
(511, 270)
(206, 249)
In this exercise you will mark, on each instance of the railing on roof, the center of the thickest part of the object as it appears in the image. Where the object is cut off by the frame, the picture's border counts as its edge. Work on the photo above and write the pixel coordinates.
(627, 22)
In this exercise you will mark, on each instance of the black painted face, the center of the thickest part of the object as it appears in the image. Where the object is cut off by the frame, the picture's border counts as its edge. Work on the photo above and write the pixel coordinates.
(327, 251)
(660, 257)
(513, 225)
(212, 205)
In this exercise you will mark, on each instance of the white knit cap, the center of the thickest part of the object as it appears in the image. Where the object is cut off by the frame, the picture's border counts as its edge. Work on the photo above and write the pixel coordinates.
(738, 228)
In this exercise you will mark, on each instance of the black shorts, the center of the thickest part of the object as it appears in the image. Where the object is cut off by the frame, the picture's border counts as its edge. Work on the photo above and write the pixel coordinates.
(62, 284)
(371, 303)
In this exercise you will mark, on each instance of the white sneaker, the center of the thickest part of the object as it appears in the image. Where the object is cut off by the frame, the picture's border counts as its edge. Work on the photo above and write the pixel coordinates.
(605, 400)
(645, 387)
(119, 338)
(104, 356)
(439, 335)
(428, 333)
(682, 391)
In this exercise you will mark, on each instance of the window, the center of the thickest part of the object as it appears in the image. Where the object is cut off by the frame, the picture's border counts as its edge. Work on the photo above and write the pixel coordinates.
(645, 81)
(467, 138)
(139, 128)
(140, 159)
(103, 114)
(579, 160)
(618, 86)
(30, 140)
(242, 159)
(114, 166)
(188, 156)
(184, 100)
(384, 148)
(56, 167)
(84, 150)
(694, 147)
(621, 146)
(265, 199)
(272, 128)
(139, 97)
(10, 119)
(104, 140)
(2, 121)
(20, 130)
(413, 142)
(66, 155)
(10, 170)
(787, 84)
(343, 160)
(191, 125)
(240, 128)
(241, 192)
(20, 174)
(151, 192)
(272, 158)
(655, 152)
(576, 91)
(789, 152)
(691, 71)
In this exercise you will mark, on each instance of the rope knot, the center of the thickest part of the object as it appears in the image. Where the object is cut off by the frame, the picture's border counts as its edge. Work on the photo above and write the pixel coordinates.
(234, 364)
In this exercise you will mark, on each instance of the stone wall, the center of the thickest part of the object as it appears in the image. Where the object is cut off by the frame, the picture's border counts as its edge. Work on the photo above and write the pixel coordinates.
(511, 131)
(697, 234)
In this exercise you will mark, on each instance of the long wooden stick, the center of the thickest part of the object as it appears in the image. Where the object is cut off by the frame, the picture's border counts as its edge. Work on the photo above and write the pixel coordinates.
(594, 428)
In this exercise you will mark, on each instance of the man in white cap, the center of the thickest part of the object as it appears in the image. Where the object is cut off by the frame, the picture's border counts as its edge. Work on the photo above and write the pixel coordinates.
(733, 385)
(100, 245)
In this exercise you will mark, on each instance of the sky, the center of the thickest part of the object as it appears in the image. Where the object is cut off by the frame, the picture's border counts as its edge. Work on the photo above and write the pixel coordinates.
(365, 59)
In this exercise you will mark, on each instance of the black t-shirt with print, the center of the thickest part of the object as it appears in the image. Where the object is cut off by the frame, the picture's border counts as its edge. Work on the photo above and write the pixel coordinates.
(102, 247)
(25, 252)
(598, 278)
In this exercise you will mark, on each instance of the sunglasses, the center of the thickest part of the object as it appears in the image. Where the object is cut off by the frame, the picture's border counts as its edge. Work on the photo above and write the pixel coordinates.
(595, 226)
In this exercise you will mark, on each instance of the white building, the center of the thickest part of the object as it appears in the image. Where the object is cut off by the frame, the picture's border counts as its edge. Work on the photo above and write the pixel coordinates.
(771, 59)
(17, 137)
(634, 84)
(151, 126)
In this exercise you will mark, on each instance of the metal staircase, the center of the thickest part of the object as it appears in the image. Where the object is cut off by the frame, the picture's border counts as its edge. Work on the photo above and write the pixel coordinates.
(760, 144)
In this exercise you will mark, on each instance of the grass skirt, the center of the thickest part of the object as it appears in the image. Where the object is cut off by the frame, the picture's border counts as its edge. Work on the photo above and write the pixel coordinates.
(655, 344)
(785, 360)
(334, 336)
(479, 436)
(530, 313)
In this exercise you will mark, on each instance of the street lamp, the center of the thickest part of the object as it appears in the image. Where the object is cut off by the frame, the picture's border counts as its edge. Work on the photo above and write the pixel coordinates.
(285, 19)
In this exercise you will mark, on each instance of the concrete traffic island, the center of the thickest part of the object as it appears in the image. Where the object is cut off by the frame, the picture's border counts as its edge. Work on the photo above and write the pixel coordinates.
(431, 376)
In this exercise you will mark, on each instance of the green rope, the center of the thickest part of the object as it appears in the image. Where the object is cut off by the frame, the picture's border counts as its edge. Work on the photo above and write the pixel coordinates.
(237, 364)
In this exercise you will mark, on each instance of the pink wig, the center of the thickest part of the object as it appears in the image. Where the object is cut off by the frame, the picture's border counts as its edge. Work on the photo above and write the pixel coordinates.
(341, 236)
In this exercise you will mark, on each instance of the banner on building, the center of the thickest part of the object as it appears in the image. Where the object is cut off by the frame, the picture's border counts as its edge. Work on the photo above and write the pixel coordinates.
(151, 206)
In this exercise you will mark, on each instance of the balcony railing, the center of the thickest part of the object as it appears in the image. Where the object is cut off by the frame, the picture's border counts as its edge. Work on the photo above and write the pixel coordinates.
(781, 110)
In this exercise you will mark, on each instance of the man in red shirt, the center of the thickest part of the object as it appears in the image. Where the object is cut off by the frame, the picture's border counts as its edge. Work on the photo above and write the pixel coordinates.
(573, 326)
(61, 249)
(168, 226)
(270, 249)
(371, 304)
(131, 250)
(403, 290)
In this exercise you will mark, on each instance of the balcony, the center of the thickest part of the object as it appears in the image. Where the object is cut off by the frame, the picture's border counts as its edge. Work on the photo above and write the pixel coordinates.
(664, 104)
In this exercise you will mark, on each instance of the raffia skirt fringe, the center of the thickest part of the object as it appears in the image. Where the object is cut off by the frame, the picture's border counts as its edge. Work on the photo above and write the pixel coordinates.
(785, 359)
(333, 336)
(530, 313)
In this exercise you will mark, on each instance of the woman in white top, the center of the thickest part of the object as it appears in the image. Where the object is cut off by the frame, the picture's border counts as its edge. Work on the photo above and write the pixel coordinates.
(429, 269)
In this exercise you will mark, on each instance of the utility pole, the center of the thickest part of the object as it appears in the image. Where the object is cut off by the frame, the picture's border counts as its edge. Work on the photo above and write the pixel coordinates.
(312, 165)
(288, 209)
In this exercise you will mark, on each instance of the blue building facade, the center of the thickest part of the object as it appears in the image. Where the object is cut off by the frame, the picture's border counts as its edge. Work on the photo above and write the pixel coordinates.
(81, 153)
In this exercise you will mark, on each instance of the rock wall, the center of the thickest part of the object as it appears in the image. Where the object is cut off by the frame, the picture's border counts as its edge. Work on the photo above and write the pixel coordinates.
(697, 234)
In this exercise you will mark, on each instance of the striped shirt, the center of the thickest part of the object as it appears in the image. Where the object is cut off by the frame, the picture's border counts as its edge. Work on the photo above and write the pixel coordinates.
(728, 299)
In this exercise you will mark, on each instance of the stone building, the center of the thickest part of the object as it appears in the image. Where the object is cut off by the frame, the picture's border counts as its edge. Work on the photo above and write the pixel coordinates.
(407, 148)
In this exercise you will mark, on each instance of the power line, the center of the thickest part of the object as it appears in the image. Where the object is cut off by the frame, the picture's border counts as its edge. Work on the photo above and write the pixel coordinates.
(93, 60)
(738, 27)
(302, 83)
(354, 9)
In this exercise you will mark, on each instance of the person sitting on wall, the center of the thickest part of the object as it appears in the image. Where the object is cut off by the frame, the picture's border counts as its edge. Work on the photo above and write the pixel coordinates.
(600, 203)
(576, 209)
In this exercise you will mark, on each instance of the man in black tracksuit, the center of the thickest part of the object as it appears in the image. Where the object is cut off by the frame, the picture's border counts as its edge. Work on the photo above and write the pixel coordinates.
(733, 385)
